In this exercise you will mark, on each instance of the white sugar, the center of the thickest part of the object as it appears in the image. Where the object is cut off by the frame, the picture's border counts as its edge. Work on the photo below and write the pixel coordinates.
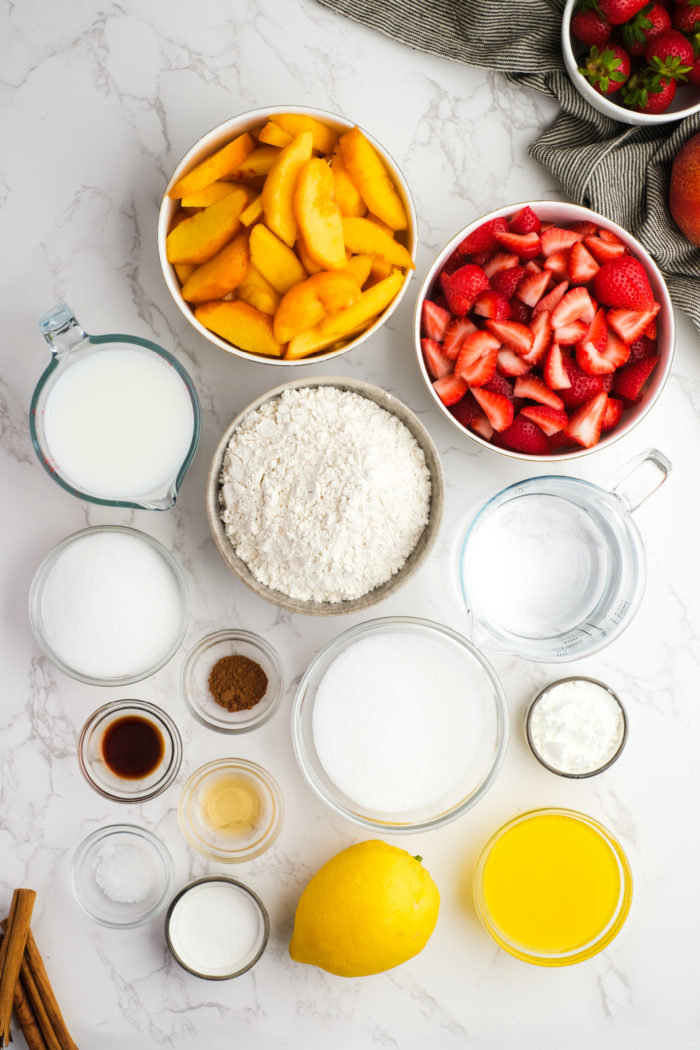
(215, 928)
(110, 605)
(393, 725)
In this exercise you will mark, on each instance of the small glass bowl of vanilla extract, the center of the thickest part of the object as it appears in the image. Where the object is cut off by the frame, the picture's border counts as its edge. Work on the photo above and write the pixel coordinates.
(129, 750)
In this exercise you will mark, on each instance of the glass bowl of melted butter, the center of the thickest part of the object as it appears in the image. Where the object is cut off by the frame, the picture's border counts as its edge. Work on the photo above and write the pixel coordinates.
(231, 810)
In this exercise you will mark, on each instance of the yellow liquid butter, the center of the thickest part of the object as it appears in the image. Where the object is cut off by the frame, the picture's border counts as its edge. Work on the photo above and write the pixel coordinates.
(553, 887)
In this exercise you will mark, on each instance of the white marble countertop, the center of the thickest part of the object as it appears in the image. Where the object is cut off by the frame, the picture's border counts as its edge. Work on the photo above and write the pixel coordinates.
(99, 102)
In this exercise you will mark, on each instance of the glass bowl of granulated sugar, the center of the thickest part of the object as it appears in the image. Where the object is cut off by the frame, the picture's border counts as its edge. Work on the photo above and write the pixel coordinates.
(325, 495)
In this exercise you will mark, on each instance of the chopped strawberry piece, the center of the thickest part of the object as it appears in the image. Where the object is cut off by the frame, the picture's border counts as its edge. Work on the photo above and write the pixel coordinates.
(524, 436)
(437, 363)
(492, 304)
(602, 251)
(454, 261)
(586, 423)
(586, 228)
(498, 409)
(434, 320)
(582, 265)
(532, 266)
(641, 348)
(551, 299)
(532, 287)
(556, 239)
(602, 362)
(609, 236)
(630, 379)
(519, 311)
(575, 305)
(650, 330)
(533, 388)
(506, 281)
(613, 411)
(481, 425)
(498, 263)
(477, 358)
(462, 287)
(572, 333)
(525, 245)
(498, 385)
(558, 264)
(525, 221)
(555, 373)
(482, 239)
(457, 331)
(542, 337)
(630, 324)
(549, 419)
(513, 334)
(607, 381)
(511, 364)
(450, 389)
(597, 334)
(582, 386)
(465, 409)
(623, 283)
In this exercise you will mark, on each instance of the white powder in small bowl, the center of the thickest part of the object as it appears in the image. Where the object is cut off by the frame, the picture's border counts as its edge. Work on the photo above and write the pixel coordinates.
(324, 494)
(125, 873)
(576, 726)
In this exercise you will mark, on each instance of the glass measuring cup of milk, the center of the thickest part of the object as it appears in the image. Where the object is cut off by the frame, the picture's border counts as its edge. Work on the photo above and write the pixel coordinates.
(553, 568)
(114, 419)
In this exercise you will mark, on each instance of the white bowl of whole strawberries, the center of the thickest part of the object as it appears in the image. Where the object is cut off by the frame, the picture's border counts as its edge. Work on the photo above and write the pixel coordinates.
(544, 330)
(637, 61)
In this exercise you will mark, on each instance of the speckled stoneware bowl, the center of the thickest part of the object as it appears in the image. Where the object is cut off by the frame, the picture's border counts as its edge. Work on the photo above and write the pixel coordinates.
(414, 560)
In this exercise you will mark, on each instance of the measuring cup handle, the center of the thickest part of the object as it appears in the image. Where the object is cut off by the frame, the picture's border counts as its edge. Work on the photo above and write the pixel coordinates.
(60, 329)
(642, 477)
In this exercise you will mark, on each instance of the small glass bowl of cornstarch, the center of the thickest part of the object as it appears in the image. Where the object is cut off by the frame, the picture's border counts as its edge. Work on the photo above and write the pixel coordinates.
(325, 495)
(576, 727)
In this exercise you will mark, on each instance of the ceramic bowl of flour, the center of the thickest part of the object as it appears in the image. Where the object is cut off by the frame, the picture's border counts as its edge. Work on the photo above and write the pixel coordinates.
(306, 532)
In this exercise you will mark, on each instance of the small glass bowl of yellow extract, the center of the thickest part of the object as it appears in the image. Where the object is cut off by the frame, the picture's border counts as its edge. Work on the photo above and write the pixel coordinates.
(231, 810)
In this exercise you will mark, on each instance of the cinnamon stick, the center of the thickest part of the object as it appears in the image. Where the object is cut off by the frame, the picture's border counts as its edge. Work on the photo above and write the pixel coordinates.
(11, 954)
(33, 970)
(27, 1020)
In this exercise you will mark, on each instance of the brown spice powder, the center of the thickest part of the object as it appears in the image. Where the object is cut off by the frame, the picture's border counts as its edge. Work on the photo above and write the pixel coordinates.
(237, 683)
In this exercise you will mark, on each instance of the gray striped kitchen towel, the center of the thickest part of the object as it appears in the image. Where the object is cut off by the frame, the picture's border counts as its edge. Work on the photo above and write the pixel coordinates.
(619, 170)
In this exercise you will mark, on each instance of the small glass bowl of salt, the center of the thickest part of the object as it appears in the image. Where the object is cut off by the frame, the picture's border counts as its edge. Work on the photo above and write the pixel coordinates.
(122, 876)
(576, 727)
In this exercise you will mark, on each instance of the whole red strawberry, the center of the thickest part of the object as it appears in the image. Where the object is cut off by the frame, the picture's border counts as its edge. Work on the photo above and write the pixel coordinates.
(694, 73)
(606, 69)
(670, 54)
(589, 26)
(619, 11)
(623, 283)
(649, 92)
(647, 24)
(686, 19)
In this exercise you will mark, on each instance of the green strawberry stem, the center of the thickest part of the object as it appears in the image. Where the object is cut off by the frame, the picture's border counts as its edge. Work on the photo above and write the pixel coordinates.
(670, 67)
(601, 67)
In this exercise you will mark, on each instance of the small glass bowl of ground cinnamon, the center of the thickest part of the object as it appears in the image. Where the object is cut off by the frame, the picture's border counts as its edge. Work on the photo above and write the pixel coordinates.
(232, 681)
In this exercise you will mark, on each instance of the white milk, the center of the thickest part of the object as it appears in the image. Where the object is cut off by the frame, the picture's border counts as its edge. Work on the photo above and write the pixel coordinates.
(119, 423)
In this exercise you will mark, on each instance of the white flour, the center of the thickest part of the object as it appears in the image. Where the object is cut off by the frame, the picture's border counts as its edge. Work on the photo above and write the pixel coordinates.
(576, 726)
(324, 494)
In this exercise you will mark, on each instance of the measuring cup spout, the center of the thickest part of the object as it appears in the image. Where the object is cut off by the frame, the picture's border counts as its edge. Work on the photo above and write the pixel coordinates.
(641, 477)
(61, 330)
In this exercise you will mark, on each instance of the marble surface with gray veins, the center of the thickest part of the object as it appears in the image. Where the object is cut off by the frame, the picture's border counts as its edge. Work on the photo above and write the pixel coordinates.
(99, 103)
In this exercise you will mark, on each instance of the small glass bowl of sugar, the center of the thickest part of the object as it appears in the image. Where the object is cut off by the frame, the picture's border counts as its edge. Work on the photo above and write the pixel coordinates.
(576, 727)
(122, 876)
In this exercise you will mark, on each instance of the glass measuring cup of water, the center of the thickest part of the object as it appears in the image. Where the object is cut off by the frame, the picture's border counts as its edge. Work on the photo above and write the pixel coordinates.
(114, 419)
(553, 568)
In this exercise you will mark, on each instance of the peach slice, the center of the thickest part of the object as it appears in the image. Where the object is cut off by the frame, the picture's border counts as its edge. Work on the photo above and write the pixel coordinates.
(209, 195)
(274, 259)
(324, 138)
(367, 170)
(241, 324)
(319, 218)
(183, 270)
(307, 262)
(367, 238)
(259, 162)
(221, 274)
(258, 292)
(360, 267)
(254, 212)
(346, 194)
(278, 191)
(273, 135)
(308, 302)
(201, 236)
(344, 324)
(215, 167)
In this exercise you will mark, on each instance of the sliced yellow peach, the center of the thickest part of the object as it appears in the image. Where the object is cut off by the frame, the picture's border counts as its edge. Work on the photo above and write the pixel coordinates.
(278, 191)
(209, 195)
(359, 266)
(241, 324)
(367, 238)
(215, 167)
(259, 162)
(273, 135)
(200, 237)
(308, 302)
(325, 138)
(306, 261)
(254, 211)
(380, 268)
(367, 170)
(344, 324)
(220, 275)
(183, 270)
(274, 259)
(346, 194)
(258, 292)
(319, 218)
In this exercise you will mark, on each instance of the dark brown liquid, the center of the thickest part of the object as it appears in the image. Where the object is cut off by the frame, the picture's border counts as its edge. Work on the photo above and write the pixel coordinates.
(132, 747)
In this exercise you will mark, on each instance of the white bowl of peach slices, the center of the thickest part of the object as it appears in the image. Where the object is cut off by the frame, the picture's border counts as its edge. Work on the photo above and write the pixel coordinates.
(544, 330)
(287, 236)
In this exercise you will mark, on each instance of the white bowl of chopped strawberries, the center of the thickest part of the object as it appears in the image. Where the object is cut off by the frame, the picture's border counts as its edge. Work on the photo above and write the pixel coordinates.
(637, 61)
(544, 330)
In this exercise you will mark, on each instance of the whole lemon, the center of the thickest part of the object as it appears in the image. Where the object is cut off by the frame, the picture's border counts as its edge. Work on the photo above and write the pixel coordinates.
(371, 907)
